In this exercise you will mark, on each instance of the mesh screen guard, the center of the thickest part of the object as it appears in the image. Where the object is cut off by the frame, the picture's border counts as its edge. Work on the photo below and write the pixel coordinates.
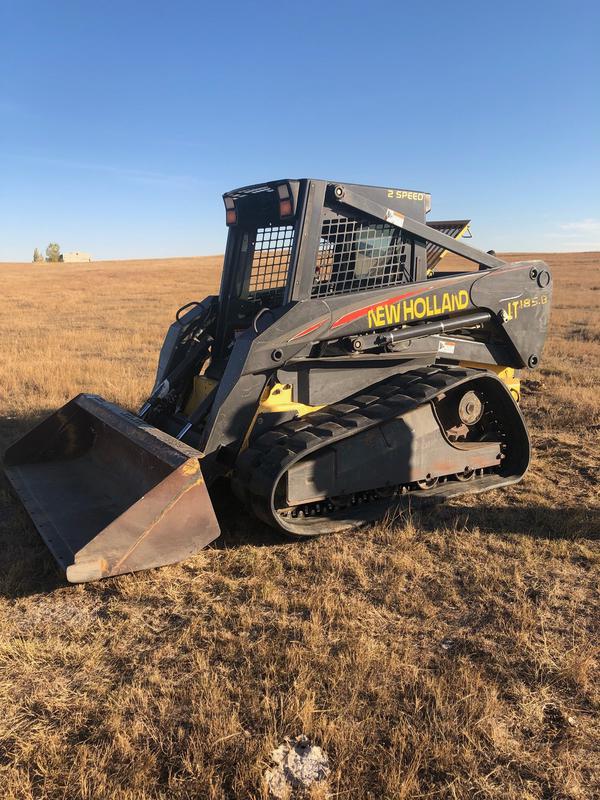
(356, 254)
(268, 260)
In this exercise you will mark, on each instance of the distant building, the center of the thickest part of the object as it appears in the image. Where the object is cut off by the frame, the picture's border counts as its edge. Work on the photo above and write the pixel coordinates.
(76, 256)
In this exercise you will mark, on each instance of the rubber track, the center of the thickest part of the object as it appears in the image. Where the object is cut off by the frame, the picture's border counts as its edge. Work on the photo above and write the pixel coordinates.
(260, 467)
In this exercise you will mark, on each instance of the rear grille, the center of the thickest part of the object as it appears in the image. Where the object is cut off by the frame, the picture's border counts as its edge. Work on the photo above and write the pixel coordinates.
(355, 255)
(269, 259)
(453, 228)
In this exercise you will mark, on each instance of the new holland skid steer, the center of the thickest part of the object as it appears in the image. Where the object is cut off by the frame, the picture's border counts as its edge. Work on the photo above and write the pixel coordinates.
(339, 371)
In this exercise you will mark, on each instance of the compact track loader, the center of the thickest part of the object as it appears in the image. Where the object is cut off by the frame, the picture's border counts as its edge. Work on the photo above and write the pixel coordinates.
(339, 371)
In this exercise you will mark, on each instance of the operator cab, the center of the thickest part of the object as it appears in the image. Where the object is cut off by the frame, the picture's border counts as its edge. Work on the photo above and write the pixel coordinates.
(293, 240)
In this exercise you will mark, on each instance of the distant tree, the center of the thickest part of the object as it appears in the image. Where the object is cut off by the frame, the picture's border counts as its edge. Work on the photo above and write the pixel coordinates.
(37, 256)
(53, 252)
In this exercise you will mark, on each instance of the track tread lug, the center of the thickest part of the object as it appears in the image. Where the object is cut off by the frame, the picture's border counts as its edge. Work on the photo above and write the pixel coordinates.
(366, 399)
(357, 420)
(331, 429)
(277, 452)
(317, 417)
(377, 412)
(272, 438)
(343, 408)
(249, 458)
(300, 424)
(303, 439)
(399, 402)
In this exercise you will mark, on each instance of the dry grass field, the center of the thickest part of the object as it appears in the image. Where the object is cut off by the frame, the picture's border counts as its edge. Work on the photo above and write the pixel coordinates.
(450, 653)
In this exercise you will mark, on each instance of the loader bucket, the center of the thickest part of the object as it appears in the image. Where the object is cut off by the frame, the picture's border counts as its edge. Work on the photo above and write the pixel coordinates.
(109, 493)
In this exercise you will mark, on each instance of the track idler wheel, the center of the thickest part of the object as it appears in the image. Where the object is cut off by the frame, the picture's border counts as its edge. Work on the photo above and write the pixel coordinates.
(470, 408)
(467, 475)
(427, 483)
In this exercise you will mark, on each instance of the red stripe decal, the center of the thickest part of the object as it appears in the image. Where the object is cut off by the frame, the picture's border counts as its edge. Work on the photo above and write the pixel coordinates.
(362, 311)
(306, 331)
(439, 283)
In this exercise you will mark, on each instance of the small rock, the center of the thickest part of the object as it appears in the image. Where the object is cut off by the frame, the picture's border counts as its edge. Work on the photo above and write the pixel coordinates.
(447, 644)
(298, 765)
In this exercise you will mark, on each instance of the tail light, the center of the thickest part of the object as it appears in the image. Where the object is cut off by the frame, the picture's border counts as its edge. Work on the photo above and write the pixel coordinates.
(230, 212)
(286, 207)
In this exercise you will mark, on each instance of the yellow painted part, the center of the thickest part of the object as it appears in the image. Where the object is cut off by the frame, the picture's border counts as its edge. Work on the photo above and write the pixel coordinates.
(201, 388)
(458, 236)
(506, 375)
(277, 399)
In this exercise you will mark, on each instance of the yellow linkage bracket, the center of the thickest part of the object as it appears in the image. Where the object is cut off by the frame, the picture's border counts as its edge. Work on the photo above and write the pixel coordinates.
(506, 375)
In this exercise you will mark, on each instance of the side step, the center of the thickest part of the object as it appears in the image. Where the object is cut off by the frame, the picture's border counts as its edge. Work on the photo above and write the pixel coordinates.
(108, 493)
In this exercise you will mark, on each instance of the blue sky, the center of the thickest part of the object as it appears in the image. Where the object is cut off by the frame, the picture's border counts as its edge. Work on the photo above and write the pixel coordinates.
(121, 123)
